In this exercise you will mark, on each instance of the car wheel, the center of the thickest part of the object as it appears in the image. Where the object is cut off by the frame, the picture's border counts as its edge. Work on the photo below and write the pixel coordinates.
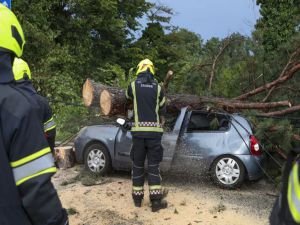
(97, 159)
(228, 172)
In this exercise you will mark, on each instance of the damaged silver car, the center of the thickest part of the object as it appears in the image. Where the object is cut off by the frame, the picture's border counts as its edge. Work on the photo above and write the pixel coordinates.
(196, 142)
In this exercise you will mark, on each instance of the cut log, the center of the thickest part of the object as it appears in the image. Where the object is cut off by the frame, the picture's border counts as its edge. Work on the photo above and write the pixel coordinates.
(113, 101)
(91, 92)
(64, 157)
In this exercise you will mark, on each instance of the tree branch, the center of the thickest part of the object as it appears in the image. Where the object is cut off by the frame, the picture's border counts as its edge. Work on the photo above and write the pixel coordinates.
(289, 63)
(281, 79)
(232, 104)
(167, 80)
(282, 112)
(227, 42)
(200, 66)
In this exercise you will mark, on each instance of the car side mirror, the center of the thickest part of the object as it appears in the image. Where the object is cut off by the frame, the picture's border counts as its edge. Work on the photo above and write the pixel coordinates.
(125, 125)
(121, 121)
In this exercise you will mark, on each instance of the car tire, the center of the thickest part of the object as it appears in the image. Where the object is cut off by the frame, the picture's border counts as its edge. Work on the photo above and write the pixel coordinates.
(228, 172)
(97, 159)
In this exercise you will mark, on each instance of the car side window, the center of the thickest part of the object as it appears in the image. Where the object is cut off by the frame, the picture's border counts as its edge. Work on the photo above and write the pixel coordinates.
(201, 121)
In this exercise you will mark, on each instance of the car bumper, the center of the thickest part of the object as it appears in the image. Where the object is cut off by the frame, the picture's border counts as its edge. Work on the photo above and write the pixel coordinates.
(254, 165)
(79, 147)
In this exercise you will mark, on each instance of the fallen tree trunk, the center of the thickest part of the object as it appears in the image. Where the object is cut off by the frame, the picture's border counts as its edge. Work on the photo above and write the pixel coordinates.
(112, 101)
(91, 92)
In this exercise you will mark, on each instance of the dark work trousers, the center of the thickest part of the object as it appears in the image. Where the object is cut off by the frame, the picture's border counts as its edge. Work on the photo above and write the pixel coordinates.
(152, 150)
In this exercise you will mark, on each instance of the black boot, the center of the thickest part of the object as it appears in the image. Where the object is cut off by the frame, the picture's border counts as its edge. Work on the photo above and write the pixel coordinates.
(156, 205)
(137, 197)
(137, 202)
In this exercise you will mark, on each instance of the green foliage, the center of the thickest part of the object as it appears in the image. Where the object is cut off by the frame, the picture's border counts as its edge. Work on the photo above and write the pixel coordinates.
(274, 132)
(159, 14)
(68, 41)
(279, 22)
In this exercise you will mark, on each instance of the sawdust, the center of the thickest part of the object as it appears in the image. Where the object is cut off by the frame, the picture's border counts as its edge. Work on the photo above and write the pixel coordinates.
(189, 203)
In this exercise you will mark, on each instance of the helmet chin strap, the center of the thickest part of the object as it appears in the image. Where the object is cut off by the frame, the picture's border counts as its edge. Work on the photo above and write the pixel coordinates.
(6, 62)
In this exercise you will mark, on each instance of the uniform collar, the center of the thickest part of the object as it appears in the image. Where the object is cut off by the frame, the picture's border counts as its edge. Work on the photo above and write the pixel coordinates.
(6, 73)
(27, 86)
(146, 77)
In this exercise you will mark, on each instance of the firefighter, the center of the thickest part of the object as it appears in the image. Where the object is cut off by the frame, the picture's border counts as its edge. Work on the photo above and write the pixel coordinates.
(286, 210)
(22, 75)
(27, 196)
(149, 108)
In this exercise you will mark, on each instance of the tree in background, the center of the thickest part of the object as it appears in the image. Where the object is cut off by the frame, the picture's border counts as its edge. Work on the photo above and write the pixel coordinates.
(68, 41)
(279, 22)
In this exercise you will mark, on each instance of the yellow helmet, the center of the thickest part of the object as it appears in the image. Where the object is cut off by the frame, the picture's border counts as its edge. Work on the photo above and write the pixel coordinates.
(11, 33)
(144, 65)
(21, 69)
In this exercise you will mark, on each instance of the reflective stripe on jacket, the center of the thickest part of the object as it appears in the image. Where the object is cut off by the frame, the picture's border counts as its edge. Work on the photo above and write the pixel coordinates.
(293, 195)
(49, 125)
(33, 165)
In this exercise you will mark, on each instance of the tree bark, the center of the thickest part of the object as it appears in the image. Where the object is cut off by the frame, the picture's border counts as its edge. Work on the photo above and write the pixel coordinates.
(91, 92)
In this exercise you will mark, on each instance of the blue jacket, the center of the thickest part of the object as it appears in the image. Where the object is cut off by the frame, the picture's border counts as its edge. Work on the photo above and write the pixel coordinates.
(27, 196)
(148, 104)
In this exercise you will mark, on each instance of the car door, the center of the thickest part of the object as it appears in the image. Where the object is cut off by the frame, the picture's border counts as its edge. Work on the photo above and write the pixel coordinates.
(199, 142)
(123, 145)
(170, 140)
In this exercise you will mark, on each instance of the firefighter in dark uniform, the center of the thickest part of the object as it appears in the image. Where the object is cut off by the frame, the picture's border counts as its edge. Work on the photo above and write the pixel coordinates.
(22, 75)
(149, 107)
(27, 196)
(286, 210)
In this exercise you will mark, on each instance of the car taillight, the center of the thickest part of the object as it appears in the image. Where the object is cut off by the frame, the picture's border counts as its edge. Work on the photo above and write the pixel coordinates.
(254, 146)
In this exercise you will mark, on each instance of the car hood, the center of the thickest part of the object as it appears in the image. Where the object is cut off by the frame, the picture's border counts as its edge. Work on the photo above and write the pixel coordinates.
(98, 132)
